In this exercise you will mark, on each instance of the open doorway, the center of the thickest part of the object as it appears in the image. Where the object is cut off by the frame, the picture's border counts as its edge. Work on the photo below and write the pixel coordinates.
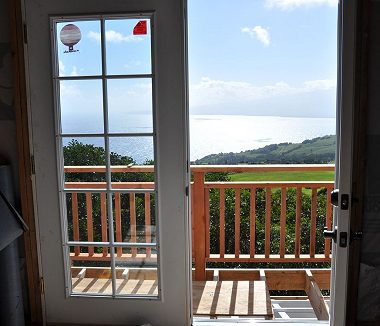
(263, 94)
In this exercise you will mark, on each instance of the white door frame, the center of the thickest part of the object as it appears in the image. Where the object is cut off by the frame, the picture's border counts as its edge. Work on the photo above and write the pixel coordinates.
(343, 164)
(174, 305)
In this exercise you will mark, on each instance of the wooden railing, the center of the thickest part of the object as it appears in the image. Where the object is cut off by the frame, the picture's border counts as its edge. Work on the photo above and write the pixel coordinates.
(253, 206)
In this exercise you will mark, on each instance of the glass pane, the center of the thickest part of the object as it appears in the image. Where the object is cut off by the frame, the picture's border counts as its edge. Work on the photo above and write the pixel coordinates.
(81, 106)
(131, 150)
(84, 160)
(135, 49)
(90, 274)
(134, 219)
(87, 218)
(78, 48)
(136, 274)
(130, 105)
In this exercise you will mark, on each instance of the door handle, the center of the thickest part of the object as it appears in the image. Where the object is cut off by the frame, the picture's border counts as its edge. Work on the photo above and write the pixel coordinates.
(334, 197)
(330, 234)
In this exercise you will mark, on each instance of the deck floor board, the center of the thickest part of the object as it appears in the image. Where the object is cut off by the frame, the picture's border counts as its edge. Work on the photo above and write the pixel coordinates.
(210, 298)
(231, 298)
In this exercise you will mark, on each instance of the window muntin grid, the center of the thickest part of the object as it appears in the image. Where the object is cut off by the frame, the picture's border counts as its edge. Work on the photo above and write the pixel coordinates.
(107, 137)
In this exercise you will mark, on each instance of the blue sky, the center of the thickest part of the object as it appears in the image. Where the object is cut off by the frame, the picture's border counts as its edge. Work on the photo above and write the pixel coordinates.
(246, 57)
(270, 57)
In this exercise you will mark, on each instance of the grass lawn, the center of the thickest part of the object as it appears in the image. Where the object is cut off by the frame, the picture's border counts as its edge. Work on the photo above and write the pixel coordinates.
(283, 176)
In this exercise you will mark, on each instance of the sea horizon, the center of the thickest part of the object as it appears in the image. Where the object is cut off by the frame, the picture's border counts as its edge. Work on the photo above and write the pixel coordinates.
(213, 134)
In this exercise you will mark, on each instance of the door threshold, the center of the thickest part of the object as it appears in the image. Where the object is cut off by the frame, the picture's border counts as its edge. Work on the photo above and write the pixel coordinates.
(199, 321)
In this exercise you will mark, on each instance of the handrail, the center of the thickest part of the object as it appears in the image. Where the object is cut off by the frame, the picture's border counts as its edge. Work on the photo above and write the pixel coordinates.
(208, 168)
(207, 197)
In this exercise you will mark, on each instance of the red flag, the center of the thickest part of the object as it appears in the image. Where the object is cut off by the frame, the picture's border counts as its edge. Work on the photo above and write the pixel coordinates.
(140, 28)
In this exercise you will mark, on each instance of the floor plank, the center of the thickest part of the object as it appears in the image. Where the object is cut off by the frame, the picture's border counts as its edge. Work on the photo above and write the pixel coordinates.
(231, 298)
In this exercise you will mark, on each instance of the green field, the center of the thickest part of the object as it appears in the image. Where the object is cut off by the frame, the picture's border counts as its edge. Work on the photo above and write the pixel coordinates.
(283, 176)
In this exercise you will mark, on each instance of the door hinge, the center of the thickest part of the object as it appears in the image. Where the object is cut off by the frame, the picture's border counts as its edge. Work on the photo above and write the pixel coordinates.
(42, 285)
(25, 31)
(32, 165)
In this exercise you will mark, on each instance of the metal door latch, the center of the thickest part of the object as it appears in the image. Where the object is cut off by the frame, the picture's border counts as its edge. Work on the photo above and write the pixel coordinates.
(344, 199)
(343, 239)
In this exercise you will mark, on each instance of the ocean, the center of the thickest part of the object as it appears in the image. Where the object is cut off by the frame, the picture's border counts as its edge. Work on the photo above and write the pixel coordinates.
(212, 134)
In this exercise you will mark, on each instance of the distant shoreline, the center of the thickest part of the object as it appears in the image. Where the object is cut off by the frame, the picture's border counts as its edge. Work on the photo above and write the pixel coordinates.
(310, 151)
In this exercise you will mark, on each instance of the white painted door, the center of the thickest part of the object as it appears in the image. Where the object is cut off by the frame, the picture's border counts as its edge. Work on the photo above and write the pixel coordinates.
(343, 165)
(107, 94)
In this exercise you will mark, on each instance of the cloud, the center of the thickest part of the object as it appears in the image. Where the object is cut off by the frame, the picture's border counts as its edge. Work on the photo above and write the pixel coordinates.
(74, 72)
(69, 90)
(113, 36)
(61, 68)
(213, 92)
(293, 4)
(258, 32)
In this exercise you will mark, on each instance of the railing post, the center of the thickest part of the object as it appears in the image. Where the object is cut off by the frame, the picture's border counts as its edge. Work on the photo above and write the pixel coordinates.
(199, 226)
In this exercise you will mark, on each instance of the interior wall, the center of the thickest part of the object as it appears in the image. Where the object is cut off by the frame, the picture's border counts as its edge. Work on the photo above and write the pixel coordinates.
(8, 144)
(369, 277)
(8, 140)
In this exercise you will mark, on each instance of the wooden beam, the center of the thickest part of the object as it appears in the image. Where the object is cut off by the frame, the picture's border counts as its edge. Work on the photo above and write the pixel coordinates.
(322, 277)
(125, 274)
(268, 202)
(82, 273)
(222, 222)
(315, 297)
(285, 279)
(237, 222)
(283, 222)
(199, 227)
(239, 275)
(25, 166)
(216, 275)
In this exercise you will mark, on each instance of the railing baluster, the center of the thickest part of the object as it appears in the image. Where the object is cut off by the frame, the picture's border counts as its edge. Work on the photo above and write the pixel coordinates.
(252, 223)
(192, 222)
(328, 221)
(199, 226)
(74, 205)
(268, 203)
(283, 222)
(103, 221)
(313, 222)
(237, 223)
(90, 226)
(222, 205)
(207, 216)
(201, 217)
(148, 227)
(297, 245)
(132, 209)
(119, 250)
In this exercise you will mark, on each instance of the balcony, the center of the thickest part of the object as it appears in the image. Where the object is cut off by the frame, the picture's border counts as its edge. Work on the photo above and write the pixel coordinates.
(257, 240)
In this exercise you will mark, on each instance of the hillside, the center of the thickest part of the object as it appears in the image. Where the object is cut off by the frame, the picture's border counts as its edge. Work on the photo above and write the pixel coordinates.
(316, 150)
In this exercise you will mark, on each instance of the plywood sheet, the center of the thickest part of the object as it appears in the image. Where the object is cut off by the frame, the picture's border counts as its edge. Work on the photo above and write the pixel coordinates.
(231, 298)
(123, 286)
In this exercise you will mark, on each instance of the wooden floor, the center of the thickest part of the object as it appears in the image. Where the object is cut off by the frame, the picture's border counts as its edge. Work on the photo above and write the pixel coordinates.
(232, 298)
(210, 298)
(227, 292)
(123, 286)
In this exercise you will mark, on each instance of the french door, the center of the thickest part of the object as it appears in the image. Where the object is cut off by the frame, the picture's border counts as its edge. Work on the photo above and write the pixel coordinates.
(343, 164)
(108, 114)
